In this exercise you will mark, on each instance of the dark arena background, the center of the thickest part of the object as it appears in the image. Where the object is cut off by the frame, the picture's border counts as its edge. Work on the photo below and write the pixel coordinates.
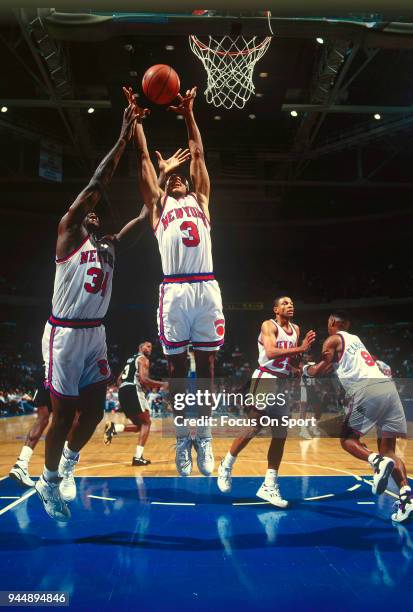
(311, 197)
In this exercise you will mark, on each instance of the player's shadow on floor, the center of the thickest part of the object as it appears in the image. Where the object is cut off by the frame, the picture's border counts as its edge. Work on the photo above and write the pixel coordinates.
(345, 537)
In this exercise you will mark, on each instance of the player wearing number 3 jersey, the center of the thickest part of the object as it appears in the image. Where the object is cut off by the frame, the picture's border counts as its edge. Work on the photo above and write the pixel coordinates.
(74, 343)
(190, 306)
(278, 353)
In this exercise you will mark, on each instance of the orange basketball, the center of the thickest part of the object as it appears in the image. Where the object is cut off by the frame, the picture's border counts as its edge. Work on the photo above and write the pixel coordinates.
(161, 84)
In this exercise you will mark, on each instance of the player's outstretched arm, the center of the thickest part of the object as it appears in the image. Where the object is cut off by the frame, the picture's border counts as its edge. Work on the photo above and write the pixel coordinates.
(91, 194)
(199, 172)
(330, 349)
(132, 231)
(269, 340)
(147, 179)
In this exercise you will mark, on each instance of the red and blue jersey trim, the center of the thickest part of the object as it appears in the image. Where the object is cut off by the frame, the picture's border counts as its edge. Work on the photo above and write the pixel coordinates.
(74, 323)
(189, 278)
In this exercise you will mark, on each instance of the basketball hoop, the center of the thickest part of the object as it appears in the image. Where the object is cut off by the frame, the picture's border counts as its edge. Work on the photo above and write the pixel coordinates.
(229, 63)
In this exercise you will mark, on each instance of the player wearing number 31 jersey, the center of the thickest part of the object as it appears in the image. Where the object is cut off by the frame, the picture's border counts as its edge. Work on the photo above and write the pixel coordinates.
(74, 343)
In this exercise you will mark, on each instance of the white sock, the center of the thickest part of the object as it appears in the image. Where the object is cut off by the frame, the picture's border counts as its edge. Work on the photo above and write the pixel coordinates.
(139, 452)
(228, 461)
(69, 454)
(119, 427)
(271, 477)
(372, 457)
(406, 490)
(50, 475)
(25, 455)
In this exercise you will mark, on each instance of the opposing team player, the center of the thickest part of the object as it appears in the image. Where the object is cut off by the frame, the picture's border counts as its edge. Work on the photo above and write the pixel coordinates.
(190, 306)
(133, 382)
(74, 344)
(374, 401)
(278, 349)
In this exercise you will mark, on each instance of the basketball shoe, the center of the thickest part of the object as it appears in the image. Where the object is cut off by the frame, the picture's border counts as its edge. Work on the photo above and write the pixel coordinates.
(383, 467)
(109, 432)
(272, 494)
(20, 473)
(53, 502)
(404, 506)
(204, 455)
(66, 471)
(183, 457)
(138, 461)
(224, 480)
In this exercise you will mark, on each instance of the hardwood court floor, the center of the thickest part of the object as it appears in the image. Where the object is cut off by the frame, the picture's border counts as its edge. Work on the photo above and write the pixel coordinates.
(317, 457)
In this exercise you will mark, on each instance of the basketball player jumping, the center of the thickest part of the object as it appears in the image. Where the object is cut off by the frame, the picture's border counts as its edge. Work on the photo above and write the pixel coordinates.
(277, 349)
(190, 306)
(74, 344)
(374, 401)
(133, 382)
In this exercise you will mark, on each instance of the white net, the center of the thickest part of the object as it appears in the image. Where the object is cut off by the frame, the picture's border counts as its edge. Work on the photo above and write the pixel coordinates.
(229, 63)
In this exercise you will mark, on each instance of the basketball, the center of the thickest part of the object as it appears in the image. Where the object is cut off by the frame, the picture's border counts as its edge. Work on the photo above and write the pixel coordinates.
(161, 84)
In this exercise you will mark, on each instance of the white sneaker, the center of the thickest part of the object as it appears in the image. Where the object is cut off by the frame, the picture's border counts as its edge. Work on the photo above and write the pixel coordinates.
(272, 495)
(52, 500)
(224, 480)
(383, 467)
(67, 484)
(205, 456)
(183, 457)
(404, 509)
(20, 474)
(305, 434)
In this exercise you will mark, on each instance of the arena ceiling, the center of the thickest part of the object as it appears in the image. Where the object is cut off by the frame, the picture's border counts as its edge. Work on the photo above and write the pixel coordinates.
(56, 65)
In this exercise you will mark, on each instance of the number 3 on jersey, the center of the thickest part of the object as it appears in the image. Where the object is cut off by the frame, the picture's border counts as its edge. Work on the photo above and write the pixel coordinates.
(191, 235)
(98, 281)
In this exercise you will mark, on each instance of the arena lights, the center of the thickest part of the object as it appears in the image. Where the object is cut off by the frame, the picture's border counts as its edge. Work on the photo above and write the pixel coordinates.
(179, 117)
(320, 40)
(4, 109)
(263, 75)
(217, 117)
(294, 113)
(259, 95)
(377, 116)
(252, 116)
(169, 47)
(90, 110)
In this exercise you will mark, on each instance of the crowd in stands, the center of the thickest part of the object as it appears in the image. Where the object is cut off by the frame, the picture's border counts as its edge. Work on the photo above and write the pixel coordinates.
(19, 368)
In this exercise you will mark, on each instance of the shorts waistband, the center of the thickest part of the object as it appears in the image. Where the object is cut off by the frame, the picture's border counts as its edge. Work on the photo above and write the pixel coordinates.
(189, 278)
(275, 374)
(74, 323)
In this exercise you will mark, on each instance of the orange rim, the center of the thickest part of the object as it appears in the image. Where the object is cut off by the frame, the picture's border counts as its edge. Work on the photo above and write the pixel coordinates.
(205, 47)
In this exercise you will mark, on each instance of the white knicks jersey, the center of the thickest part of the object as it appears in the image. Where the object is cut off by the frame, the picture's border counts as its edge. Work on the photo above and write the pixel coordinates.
(356, 367)
(183, 234)
(83, 281)
(281, 366)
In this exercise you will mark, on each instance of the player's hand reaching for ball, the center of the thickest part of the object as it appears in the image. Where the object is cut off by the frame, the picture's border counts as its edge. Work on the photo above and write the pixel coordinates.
(308, 340)
(141, 113)
(129, 118)
(185, 103)
(166, 166)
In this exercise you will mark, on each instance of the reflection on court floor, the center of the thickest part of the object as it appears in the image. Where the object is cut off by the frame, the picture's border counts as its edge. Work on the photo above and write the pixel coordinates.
(170, 543)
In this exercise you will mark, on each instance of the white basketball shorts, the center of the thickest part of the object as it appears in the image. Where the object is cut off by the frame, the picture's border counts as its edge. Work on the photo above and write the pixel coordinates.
(190, 313)
(75, 357)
